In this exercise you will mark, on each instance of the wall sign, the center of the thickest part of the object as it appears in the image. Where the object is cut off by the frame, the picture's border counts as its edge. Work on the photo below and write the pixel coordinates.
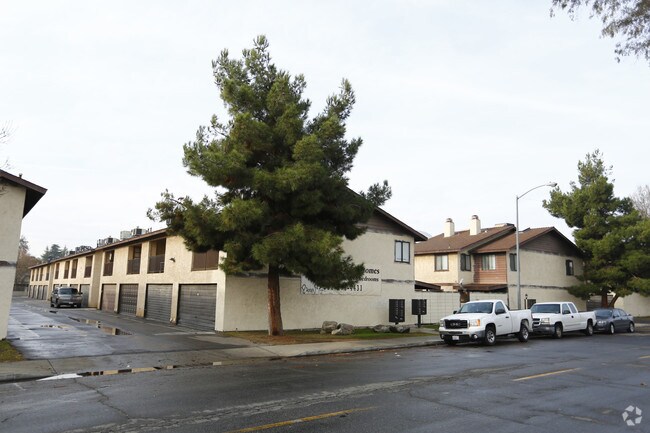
(368, 285)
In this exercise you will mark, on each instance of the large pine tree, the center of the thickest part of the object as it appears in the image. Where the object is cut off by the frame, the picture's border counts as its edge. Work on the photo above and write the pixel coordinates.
(613, 237)
(282, 201)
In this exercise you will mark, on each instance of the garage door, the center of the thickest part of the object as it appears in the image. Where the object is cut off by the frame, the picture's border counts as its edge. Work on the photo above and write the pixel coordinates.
(128, 299)
(85, 291)
(108, 297)
(159, 302)
(197, 304)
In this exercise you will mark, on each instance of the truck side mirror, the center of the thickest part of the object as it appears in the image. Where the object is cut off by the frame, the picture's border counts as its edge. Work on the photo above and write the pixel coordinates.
(500, 311)
(455, 311)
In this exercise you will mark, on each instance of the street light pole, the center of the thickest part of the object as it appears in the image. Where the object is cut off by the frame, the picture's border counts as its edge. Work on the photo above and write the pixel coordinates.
(552, 185)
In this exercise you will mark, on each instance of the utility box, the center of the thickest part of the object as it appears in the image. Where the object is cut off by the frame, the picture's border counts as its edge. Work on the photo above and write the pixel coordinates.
(396, 310)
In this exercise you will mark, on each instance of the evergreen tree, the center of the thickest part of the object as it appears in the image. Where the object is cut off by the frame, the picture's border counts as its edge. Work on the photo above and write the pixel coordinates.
(613, 237)
(53, 252)
(282, 201)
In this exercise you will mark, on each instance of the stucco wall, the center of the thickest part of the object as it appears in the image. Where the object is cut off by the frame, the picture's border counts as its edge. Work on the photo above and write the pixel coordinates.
(543, 277)
(12, 200)
(245, 301)
(635, 304)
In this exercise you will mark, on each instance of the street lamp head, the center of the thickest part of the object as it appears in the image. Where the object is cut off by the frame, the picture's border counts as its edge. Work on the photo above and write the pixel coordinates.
(552, 184)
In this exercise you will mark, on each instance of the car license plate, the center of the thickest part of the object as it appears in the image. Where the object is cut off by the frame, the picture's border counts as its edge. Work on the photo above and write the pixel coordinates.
(455, 337)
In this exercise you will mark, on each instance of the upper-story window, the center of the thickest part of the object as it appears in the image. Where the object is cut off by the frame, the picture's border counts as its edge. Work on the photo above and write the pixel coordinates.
(89, 266)
(73, 271)
(56, 271)
(109, 258)
(157, 256)
(402, 251)
(569, 267)
(488, 262)
(205, 261)
(66, 272)
(133, 264)
(513, 262)
(442, 262)
(465, 262)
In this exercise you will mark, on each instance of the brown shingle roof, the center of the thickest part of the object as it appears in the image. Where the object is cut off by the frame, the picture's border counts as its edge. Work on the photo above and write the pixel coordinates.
(460, 240)
(508, 243)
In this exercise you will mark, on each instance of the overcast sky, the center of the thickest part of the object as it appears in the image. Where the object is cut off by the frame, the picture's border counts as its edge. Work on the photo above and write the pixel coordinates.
(462, 105)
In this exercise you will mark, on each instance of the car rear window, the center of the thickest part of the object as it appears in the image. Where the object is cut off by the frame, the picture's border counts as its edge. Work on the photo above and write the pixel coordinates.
(68, 291)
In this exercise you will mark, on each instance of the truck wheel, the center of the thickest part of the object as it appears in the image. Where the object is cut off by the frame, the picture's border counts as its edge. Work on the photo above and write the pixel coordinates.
(522, 335)
(557, 332)
(490, 336)
(630, 327)
(589, 330)
(611, 328)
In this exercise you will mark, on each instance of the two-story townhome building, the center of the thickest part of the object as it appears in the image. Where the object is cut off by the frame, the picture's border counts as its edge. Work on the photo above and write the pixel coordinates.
(478, 260)
(153, 275)
(446, 260)
(549, 264)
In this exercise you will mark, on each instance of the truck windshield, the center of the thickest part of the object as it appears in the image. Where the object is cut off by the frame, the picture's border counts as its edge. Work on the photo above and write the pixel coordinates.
(546, 308)
(476, 307)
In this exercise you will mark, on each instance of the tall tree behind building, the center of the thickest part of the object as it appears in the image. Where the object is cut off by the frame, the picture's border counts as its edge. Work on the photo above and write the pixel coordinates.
(24, 262)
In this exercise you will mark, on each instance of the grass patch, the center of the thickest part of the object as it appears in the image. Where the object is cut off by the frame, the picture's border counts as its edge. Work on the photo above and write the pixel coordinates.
(314, 336)
(8, 353)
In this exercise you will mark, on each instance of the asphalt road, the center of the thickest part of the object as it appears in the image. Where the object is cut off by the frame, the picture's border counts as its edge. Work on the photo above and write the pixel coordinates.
(577, 384)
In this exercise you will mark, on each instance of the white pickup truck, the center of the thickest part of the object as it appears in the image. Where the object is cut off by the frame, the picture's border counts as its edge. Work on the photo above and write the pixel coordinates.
(556, 318)
(484, 321)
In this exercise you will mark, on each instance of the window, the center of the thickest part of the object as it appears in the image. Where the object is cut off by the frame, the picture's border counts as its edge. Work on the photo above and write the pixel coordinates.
(56, 271)
(66, 272)
(499, 308)
(89, 266)
(488, 262)
(569, 267)
(73, 272)
(465, 262)
(205, 261)
(573, 308)
(513, 262)
(442, 262)
(157, 256)
(133, 264)
(402, 251)
(109, 257)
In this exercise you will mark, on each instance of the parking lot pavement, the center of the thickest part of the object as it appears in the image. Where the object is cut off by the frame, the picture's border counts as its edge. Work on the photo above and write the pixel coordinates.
(41, 332)
(94, 342)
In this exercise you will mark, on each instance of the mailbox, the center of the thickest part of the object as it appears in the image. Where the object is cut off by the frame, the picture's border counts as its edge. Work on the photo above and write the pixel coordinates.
(418, 307)
(396, 310)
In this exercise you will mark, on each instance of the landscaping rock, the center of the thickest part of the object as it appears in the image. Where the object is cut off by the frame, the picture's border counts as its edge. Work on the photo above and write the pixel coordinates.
(343, 329)
(328, 327)
(400, 329)
(381, 328)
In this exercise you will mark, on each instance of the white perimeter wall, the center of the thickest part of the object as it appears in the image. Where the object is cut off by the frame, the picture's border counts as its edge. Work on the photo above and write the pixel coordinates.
(635, 304)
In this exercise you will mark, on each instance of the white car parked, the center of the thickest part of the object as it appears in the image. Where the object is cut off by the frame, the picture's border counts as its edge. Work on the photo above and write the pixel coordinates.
(556, 318)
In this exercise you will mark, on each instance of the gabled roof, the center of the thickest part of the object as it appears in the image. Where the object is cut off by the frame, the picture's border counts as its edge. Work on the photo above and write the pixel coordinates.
(416, 234)
(508, 242)
(33, 193)
(461, 240)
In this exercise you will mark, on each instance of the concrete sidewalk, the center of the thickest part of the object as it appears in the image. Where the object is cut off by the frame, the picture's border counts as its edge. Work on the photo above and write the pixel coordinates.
(61, 344)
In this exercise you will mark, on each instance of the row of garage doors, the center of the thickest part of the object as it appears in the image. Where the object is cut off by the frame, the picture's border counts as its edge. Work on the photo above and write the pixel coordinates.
(196, 303)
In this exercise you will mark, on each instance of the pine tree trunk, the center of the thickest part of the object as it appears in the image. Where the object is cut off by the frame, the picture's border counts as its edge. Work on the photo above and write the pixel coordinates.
(604, 302)
(275, 316)
(611, 304)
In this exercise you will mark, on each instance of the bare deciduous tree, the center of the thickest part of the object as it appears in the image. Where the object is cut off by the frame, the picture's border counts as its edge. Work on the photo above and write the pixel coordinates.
(641, 200)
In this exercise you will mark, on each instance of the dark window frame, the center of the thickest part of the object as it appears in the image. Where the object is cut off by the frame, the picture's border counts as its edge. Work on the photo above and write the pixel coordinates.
(440, 266)
(465, 262)
(403, 258)
(513, 262)
(570, 270)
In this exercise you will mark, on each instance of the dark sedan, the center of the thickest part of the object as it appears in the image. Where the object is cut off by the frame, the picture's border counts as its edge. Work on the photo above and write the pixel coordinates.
(613, 320)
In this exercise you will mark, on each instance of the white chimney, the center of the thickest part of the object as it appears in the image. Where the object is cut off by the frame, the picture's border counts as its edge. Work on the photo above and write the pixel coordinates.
(449, 228)
(475, 226)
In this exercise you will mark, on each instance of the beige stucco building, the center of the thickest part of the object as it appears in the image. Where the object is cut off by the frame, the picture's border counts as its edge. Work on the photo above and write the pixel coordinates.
(153, 275)
(482, 261)
(17, 198)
